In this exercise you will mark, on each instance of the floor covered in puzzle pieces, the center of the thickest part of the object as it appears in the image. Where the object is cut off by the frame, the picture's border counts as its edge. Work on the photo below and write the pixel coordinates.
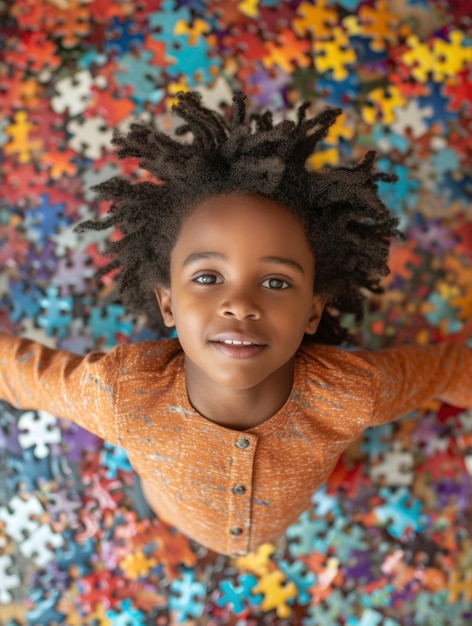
(388, 540)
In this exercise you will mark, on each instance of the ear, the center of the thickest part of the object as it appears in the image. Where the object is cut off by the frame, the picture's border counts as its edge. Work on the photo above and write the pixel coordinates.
(317, 308)
(164, 301)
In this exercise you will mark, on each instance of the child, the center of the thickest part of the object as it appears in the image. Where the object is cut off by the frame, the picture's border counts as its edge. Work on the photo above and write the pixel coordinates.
(234, 425)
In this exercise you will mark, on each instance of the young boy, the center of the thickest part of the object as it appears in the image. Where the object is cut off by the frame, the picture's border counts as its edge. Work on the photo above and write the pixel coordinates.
(234, 425)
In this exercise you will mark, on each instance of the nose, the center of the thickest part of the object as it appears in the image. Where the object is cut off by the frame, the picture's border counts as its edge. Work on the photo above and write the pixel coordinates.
(240, 305)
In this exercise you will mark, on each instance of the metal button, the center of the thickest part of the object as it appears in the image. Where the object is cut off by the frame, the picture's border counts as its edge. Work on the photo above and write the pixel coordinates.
(239, 489)
(243, 443)
(236, 531)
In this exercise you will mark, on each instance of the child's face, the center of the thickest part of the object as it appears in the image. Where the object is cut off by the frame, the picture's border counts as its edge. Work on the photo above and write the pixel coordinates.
(241, 270)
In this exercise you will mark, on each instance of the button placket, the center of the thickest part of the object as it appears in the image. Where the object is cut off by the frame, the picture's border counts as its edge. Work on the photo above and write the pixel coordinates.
(241, 494)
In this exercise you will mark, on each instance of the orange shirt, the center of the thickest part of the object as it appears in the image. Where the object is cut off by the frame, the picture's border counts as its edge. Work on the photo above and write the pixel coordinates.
(231, 490)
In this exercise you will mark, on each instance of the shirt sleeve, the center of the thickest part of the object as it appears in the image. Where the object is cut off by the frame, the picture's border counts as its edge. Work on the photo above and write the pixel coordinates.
(404, 378)
(78, 388)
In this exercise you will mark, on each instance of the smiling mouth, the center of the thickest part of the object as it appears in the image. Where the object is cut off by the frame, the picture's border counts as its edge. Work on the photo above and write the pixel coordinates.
(237, 349)
(235, 342)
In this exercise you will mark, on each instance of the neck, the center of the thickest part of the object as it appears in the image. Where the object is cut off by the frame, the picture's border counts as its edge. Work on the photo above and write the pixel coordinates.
(239, 409)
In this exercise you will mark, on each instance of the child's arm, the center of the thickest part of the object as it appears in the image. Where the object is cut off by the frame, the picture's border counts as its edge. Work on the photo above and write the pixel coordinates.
(67, 385)
(409, 376)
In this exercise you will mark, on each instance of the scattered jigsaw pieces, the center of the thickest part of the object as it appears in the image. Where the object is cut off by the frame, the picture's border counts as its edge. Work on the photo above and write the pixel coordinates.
(387, 539)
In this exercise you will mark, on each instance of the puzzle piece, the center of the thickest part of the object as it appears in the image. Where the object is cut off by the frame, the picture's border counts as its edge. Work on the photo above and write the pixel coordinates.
(334, 55)
(114, 459)
(73, 93)
(72, 273)
(145, 80)
(24, 300)
(35, 53)
(375, 440)
(259, 561)
(395, 468)
(311, 533)
(137, 564)
(9, 579)
(451, 57)
(382, 105)
(44, 611)
(70, 22)
(235, 595)
(318, 20)
(278, 593)
(401, 513)
(19, 516)
(20, 143)
(107, 325)
(122, 36)
(38, 429)
(184, 596)
(303, 579)
(439, 312)
(41, 544)
(345, 538)
(411, 118)
(287, 52)
(379, 24)
(55, 318)
(90, 137)
(128, 614)
(43, 220)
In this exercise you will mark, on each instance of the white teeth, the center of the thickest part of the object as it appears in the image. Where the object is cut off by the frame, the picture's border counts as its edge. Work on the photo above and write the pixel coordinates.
(235, 342)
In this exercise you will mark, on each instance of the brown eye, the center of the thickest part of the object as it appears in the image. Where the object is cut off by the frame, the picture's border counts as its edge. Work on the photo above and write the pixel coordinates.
(276, 283)
(207, 279)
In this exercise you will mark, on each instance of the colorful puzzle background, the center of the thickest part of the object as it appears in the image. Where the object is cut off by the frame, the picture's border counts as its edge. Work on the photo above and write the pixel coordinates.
(388, 540)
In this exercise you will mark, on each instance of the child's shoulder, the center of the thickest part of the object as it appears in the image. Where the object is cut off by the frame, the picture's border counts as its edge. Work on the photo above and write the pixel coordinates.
(341, 359)
(152, 355)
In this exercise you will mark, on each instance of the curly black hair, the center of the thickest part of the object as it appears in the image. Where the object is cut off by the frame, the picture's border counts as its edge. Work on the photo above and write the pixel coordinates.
(347, 225)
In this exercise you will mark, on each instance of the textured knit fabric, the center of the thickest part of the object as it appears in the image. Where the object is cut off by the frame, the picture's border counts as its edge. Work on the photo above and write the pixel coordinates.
(231, 490)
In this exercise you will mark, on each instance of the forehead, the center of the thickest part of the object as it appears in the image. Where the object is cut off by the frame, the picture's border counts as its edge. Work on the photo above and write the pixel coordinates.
(242, 211)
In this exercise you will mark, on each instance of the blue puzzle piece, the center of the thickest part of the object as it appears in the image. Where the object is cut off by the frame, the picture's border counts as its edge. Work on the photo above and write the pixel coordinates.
(194, 62)
(303, 579)
(443, 312)
(114, 459)
(24, 300)
(400, 512)
(45, 611)
(55, 318)
(311, 534)
(324, 503)
(106, 325)
(345, 537)
(74, 554)
(401, 195)
(128, 614)
(441, 114)
(45, 220)
(374, 443)
(122, 36)
(184, 594)
(26, 470)
(386, 140)
(338, 93)
(460, 189)
(163, 22)
(236, 595)
(146, 80)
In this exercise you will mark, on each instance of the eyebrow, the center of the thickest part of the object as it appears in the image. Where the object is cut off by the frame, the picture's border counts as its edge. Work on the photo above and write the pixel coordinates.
(197, 256)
